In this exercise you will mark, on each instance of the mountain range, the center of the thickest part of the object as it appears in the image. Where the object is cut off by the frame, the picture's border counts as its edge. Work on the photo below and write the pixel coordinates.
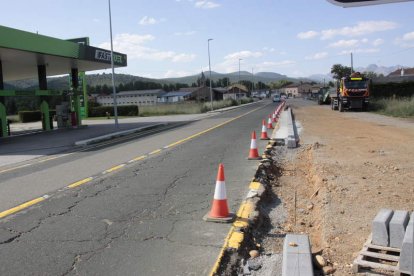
(264, 77)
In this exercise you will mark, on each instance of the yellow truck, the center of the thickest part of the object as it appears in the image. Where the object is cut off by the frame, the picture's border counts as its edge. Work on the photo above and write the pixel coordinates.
(352, 93)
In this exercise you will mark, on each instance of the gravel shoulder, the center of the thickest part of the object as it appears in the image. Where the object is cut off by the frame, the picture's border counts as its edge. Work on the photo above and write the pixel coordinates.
(348, 166)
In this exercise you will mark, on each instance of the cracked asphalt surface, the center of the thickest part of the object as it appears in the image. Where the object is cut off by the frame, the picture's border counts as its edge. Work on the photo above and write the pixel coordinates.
(145, 219)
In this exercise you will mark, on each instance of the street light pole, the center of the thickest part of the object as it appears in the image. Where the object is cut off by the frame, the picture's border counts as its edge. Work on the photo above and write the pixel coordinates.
(239, 78)
(209, 68)
(112, 66)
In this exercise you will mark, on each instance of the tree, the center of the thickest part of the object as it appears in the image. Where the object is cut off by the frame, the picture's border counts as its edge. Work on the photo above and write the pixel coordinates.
(372, 75)
(339, 71)
(331, 84)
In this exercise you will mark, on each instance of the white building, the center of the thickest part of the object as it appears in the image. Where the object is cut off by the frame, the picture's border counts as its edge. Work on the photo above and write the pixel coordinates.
(137, 97)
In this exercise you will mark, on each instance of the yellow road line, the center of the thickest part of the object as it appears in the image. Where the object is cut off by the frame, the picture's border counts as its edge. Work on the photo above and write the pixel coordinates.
(210, 129)
(114, 168)
(137, 158)
(21, 207)
(154, 152)
(80, 182)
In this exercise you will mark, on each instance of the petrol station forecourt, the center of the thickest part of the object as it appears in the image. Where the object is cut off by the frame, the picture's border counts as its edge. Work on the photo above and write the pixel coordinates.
(25, 55)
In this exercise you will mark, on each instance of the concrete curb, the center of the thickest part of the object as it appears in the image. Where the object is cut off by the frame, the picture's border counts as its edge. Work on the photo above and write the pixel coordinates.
(116, 135)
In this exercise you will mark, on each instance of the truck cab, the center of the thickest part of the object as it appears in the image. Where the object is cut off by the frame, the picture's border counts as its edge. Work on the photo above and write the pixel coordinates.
(352, 93)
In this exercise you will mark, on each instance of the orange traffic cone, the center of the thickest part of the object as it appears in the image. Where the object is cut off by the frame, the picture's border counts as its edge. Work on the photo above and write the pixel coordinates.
(263, 135)
(274, 117)
(253, 153)
(269, 122)
(219, 210)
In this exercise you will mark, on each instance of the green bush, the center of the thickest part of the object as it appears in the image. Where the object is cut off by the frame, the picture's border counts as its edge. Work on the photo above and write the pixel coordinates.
(403, 107)
(30, 116)
(124, 110)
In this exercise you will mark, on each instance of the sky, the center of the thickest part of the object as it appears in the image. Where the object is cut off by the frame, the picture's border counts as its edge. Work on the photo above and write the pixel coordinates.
(169, 38)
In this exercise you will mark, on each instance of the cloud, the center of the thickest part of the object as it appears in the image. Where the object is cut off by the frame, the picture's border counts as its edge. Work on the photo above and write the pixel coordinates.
(189, 33)
(146, 20)
(408, 36)
(406, 41)
(134, 46)
(362, 28)
(243, 54)
(317, 56)
(377, 42)
(344, 43)
(270, 65)
(177, 74)
(307, 35)
(206, 4)
(360, 51)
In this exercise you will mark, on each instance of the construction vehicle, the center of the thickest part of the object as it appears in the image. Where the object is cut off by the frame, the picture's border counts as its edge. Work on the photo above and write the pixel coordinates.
(352, 93)
(323, 96)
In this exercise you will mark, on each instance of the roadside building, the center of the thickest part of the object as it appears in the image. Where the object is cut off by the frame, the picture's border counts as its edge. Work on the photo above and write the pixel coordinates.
(137, 97)
(201, 93)
(297, 89)
(174, 97)
(236, 91)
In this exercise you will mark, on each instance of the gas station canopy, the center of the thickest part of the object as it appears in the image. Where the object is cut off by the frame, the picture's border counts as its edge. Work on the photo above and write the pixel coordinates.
(22, 52)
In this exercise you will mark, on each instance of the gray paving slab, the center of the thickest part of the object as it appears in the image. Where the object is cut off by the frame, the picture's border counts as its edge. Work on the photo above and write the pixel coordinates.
(398, 224)
(380, 227)
(297, 257)
(407, 250)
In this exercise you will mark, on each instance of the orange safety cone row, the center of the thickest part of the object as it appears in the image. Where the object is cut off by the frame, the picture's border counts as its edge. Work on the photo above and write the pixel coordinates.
(274, 116)
(253, 153)
(219, 210)
(269, 122)
(263, 135)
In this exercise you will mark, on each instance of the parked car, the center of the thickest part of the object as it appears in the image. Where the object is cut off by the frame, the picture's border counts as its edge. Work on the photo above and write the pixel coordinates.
(276, 98)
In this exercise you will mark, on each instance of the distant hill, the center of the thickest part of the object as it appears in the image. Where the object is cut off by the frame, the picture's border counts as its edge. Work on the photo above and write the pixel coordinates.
(265, 77)
(92, 80)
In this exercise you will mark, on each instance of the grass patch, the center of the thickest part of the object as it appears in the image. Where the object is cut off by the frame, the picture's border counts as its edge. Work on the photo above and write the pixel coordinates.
(170, 109)
(403, 107)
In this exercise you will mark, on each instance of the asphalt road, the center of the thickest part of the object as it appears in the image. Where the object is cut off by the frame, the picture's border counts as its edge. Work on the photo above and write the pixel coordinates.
(143, 219)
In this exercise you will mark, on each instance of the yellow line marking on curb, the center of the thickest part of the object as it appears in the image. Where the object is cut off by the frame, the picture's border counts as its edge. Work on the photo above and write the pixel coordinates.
(80, 182)
(154, 152)
(236, 239)
(114, 168)
(21, 207)
(255, 185)
(220, 256)
(242, 219)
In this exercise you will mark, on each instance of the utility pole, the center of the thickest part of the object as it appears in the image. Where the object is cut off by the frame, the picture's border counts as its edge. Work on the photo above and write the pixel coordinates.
(112, 66)
(352, 63)
(239, 78)
(209, 68)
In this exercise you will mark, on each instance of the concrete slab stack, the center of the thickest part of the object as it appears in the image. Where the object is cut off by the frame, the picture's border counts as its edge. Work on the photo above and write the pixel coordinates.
(398, 224)
(380, 227)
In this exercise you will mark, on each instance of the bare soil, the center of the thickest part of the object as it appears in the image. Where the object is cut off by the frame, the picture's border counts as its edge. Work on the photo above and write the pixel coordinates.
(348, 167)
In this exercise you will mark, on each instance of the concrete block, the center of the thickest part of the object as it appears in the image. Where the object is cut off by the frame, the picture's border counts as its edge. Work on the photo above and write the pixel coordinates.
(407, 250)
(297, 257)
(291, 142)
(380, 227)
(398, 224)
